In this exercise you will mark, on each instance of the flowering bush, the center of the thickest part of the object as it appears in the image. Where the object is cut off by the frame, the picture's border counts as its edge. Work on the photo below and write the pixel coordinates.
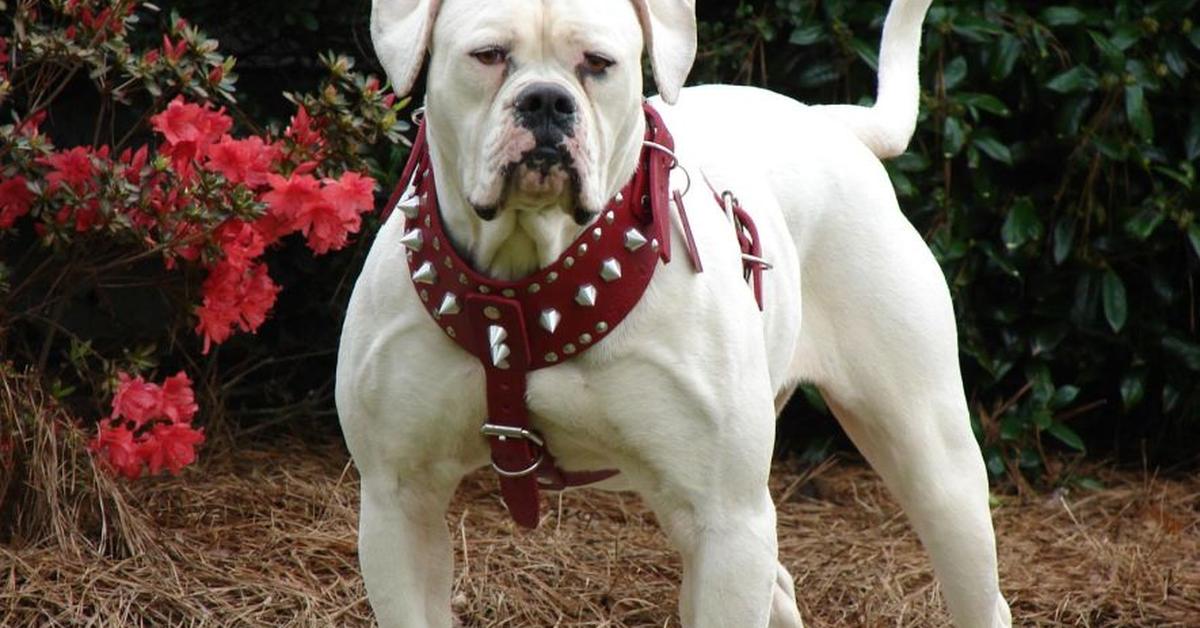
(165, 175)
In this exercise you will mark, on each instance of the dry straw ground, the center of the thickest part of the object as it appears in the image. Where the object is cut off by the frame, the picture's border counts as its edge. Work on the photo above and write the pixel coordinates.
(264, 535)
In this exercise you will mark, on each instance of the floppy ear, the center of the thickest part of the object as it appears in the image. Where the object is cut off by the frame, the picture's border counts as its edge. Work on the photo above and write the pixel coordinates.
(670, 31)
(400, 31)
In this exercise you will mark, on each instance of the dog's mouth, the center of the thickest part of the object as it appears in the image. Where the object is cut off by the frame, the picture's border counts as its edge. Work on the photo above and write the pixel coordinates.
(544, 177)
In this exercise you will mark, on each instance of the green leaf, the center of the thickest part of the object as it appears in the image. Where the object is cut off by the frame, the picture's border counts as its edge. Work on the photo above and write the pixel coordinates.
(985, 102)
(1138, 113)
(1191, 139)
(993, 148)
(1143, 224)
(955, 72)
(1116, 307)
(1186, 352)
(1064, 396)
(1077, 79)
(1022, 224)
(954, 137)
(1064, 240)
(1062, 16)
(1066, 435)
(817, 74)
(1133, 389)
(1008, 51)
(807, 35)
(1194, 237)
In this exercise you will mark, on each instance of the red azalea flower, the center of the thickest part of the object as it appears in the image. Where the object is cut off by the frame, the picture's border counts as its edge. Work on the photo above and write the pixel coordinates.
(247, 161)
(240, 241)
(178, 399)
(15, 200)
(189, 130)
(136, 400)
(72, 167)
(169, 445)
(234, 296)
(117, 443)
(287, 202)
(329, 221)
(303, 131)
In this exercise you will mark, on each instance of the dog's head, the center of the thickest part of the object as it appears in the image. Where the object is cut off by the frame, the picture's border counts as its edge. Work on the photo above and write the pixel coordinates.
(538, 101)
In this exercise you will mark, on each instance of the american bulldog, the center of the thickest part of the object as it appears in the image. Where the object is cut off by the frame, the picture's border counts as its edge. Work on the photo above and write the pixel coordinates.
(540, 165)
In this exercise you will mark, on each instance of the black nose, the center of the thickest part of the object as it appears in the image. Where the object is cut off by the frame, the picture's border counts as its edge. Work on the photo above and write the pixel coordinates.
(546, 109)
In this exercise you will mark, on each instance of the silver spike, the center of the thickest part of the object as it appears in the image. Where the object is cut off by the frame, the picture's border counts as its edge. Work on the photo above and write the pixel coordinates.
(410, 205)
(497, 335)
(586, 295)
(413, 240)
(610, 270)
(449, 306)
(620, 198)
(500, 355)
(426, 274)
(550, 319)
(634, 239)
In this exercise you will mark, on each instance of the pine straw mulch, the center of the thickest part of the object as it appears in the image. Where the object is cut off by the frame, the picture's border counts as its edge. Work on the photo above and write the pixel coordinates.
(265, 536)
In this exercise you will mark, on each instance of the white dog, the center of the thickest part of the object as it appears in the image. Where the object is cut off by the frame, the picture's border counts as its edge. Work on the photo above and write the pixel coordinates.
(535, 127)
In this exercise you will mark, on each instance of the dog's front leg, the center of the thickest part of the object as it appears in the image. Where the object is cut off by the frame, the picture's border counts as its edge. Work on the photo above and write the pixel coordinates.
(404, 547)
(729, 559)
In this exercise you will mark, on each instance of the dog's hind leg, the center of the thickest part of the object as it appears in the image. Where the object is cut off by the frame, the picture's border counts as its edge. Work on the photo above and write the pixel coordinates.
(880, 336)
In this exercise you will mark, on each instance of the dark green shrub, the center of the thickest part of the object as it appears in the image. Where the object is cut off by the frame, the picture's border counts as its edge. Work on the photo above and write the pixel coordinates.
(1053, 174)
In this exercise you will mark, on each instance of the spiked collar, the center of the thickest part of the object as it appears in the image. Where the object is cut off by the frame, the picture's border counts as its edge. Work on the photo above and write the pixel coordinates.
(553, 315)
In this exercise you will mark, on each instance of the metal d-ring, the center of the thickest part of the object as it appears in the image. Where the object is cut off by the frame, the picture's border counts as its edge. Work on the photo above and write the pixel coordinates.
(674, 163)
(523, 472)
(418, 115)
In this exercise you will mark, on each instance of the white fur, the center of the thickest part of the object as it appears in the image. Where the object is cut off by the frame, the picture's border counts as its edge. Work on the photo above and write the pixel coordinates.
(682, 396)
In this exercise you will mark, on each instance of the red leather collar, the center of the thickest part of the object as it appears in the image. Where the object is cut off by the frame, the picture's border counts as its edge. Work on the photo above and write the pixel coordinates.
(559, 312)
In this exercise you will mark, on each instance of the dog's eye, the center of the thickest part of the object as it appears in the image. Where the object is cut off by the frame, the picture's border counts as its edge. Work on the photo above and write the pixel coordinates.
(597, 63)
(491, 56)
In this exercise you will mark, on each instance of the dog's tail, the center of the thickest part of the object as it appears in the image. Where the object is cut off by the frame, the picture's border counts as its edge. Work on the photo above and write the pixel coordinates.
(887, 127)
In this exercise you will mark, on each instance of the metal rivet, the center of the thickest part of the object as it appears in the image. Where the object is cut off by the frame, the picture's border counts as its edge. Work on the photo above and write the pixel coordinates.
(654, 244)
(535, 288)
(450, 332)
(601, 327)
(428, 222)
(620, 197)
(586, 296)
(462, 278)
(448, 263)
(484, 290)
(437, 244)
(583, 249)
(425, 296)
(569, 349)
(609, 217)
(552, 277)
(585, 339)
(492, 313)
(610, 270)
(509, 292)
(552, 357)
(569, 262)
(596, 233)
